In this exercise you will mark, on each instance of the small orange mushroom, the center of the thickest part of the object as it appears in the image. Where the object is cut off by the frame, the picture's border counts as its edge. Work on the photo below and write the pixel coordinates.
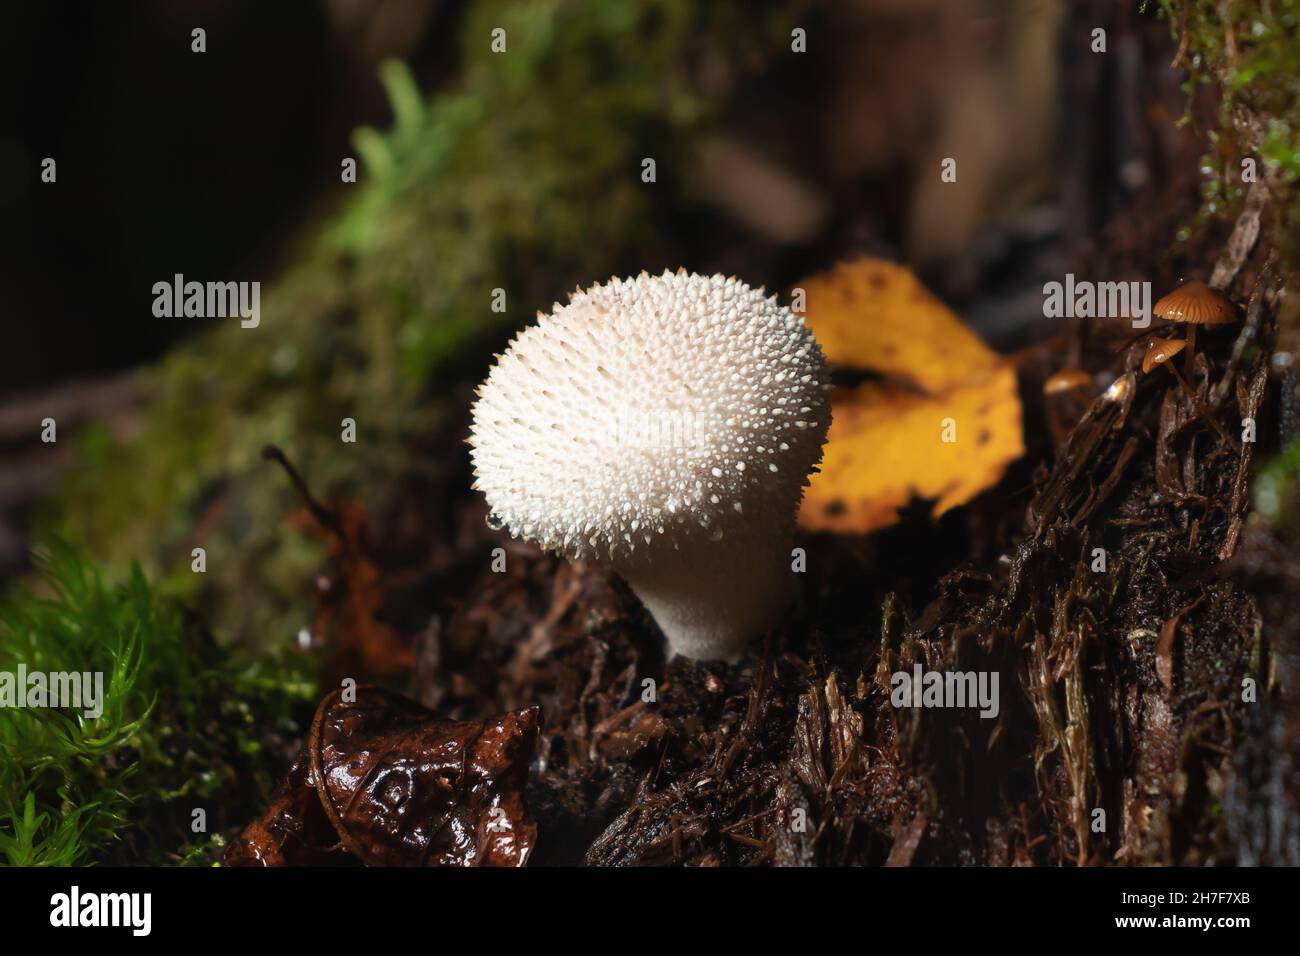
(1161, 351)
(1062, 392)
(1194, 303)
(1066, 380)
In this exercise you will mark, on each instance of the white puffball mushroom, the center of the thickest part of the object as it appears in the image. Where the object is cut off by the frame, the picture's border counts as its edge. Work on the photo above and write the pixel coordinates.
(664, 426)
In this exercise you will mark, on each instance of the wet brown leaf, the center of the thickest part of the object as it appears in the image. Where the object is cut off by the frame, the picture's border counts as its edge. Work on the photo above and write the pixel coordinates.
(400, 786)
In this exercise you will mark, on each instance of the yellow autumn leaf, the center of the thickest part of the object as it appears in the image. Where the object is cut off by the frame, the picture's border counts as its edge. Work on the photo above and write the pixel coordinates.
(943, 422)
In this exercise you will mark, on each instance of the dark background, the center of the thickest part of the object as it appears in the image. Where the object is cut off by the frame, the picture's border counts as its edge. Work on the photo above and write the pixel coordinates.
(211, 165)
(170, 161)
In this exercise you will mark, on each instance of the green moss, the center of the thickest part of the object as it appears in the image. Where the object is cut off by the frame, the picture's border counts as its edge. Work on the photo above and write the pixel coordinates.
(1250, 50)
(182, 726)
(1277, 494)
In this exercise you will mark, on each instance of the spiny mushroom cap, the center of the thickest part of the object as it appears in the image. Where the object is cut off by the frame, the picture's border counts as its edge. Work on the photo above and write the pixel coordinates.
(648, 412)
(1161, 351)
(1196, 303)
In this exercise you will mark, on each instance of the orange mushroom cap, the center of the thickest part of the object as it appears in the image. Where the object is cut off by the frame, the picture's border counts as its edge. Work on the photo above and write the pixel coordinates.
(1067, 379)
(1197, 303)
(1161, 351)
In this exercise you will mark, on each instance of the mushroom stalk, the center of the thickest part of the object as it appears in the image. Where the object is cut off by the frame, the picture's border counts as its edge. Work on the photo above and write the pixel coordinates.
(1201, 409)
(710, 600)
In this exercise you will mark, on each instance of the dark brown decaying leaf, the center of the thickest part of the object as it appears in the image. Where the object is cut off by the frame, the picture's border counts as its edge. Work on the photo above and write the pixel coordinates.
(293, 831)
(393, 784)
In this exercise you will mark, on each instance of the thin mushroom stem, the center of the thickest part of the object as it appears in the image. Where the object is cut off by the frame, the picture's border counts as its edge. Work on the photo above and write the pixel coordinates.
(1201, 409)
(1191, 348)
